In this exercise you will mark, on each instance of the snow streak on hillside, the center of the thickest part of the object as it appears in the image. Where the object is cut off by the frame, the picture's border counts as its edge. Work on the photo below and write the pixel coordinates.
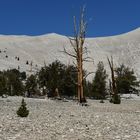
(15, 51)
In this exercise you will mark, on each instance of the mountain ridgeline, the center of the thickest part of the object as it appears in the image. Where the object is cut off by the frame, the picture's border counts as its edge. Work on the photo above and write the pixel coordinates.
(30, 53)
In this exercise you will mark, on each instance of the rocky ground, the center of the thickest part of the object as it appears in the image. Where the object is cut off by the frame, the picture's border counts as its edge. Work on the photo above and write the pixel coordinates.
(57, 120)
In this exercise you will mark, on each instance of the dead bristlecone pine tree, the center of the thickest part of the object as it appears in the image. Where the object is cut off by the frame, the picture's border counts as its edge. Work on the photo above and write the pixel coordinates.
(115, 97)
(79, 52)
(22, 111)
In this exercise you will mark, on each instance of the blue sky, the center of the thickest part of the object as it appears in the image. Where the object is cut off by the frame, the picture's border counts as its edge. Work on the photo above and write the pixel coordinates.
(36, 17)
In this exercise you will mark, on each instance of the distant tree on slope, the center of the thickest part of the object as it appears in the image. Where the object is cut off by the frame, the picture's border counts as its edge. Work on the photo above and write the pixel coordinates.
(126, 80)
(99, 82)
(31, 85)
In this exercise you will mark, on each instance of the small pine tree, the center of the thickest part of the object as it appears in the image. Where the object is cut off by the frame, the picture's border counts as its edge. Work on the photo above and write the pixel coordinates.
(22, 111)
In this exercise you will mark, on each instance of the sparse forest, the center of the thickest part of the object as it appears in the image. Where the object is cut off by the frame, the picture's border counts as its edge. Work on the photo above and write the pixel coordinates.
(59, 80)
(63, 78)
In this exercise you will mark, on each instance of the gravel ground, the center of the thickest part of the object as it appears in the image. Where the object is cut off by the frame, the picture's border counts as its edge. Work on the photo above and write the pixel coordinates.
(57, 120)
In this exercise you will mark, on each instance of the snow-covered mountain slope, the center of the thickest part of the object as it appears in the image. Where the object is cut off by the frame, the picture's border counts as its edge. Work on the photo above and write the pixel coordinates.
(124, 48)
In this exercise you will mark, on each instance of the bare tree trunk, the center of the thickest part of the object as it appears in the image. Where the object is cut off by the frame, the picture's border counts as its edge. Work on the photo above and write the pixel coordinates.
(78, 85)
(81, 74)
(113, 83)
(115, 98)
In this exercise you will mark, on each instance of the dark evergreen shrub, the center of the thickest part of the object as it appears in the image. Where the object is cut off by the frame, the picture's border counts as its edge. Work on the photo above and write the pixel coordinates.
(111, 101)
(27, 62)
(22, 111)
(116, 99)
(102, 101)
(83, 100)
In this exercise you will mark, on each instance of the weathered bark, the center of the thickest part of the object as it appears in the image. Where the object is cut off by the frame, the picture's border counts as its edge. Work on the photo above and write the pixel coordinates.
(113, 81)
(115, 98)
